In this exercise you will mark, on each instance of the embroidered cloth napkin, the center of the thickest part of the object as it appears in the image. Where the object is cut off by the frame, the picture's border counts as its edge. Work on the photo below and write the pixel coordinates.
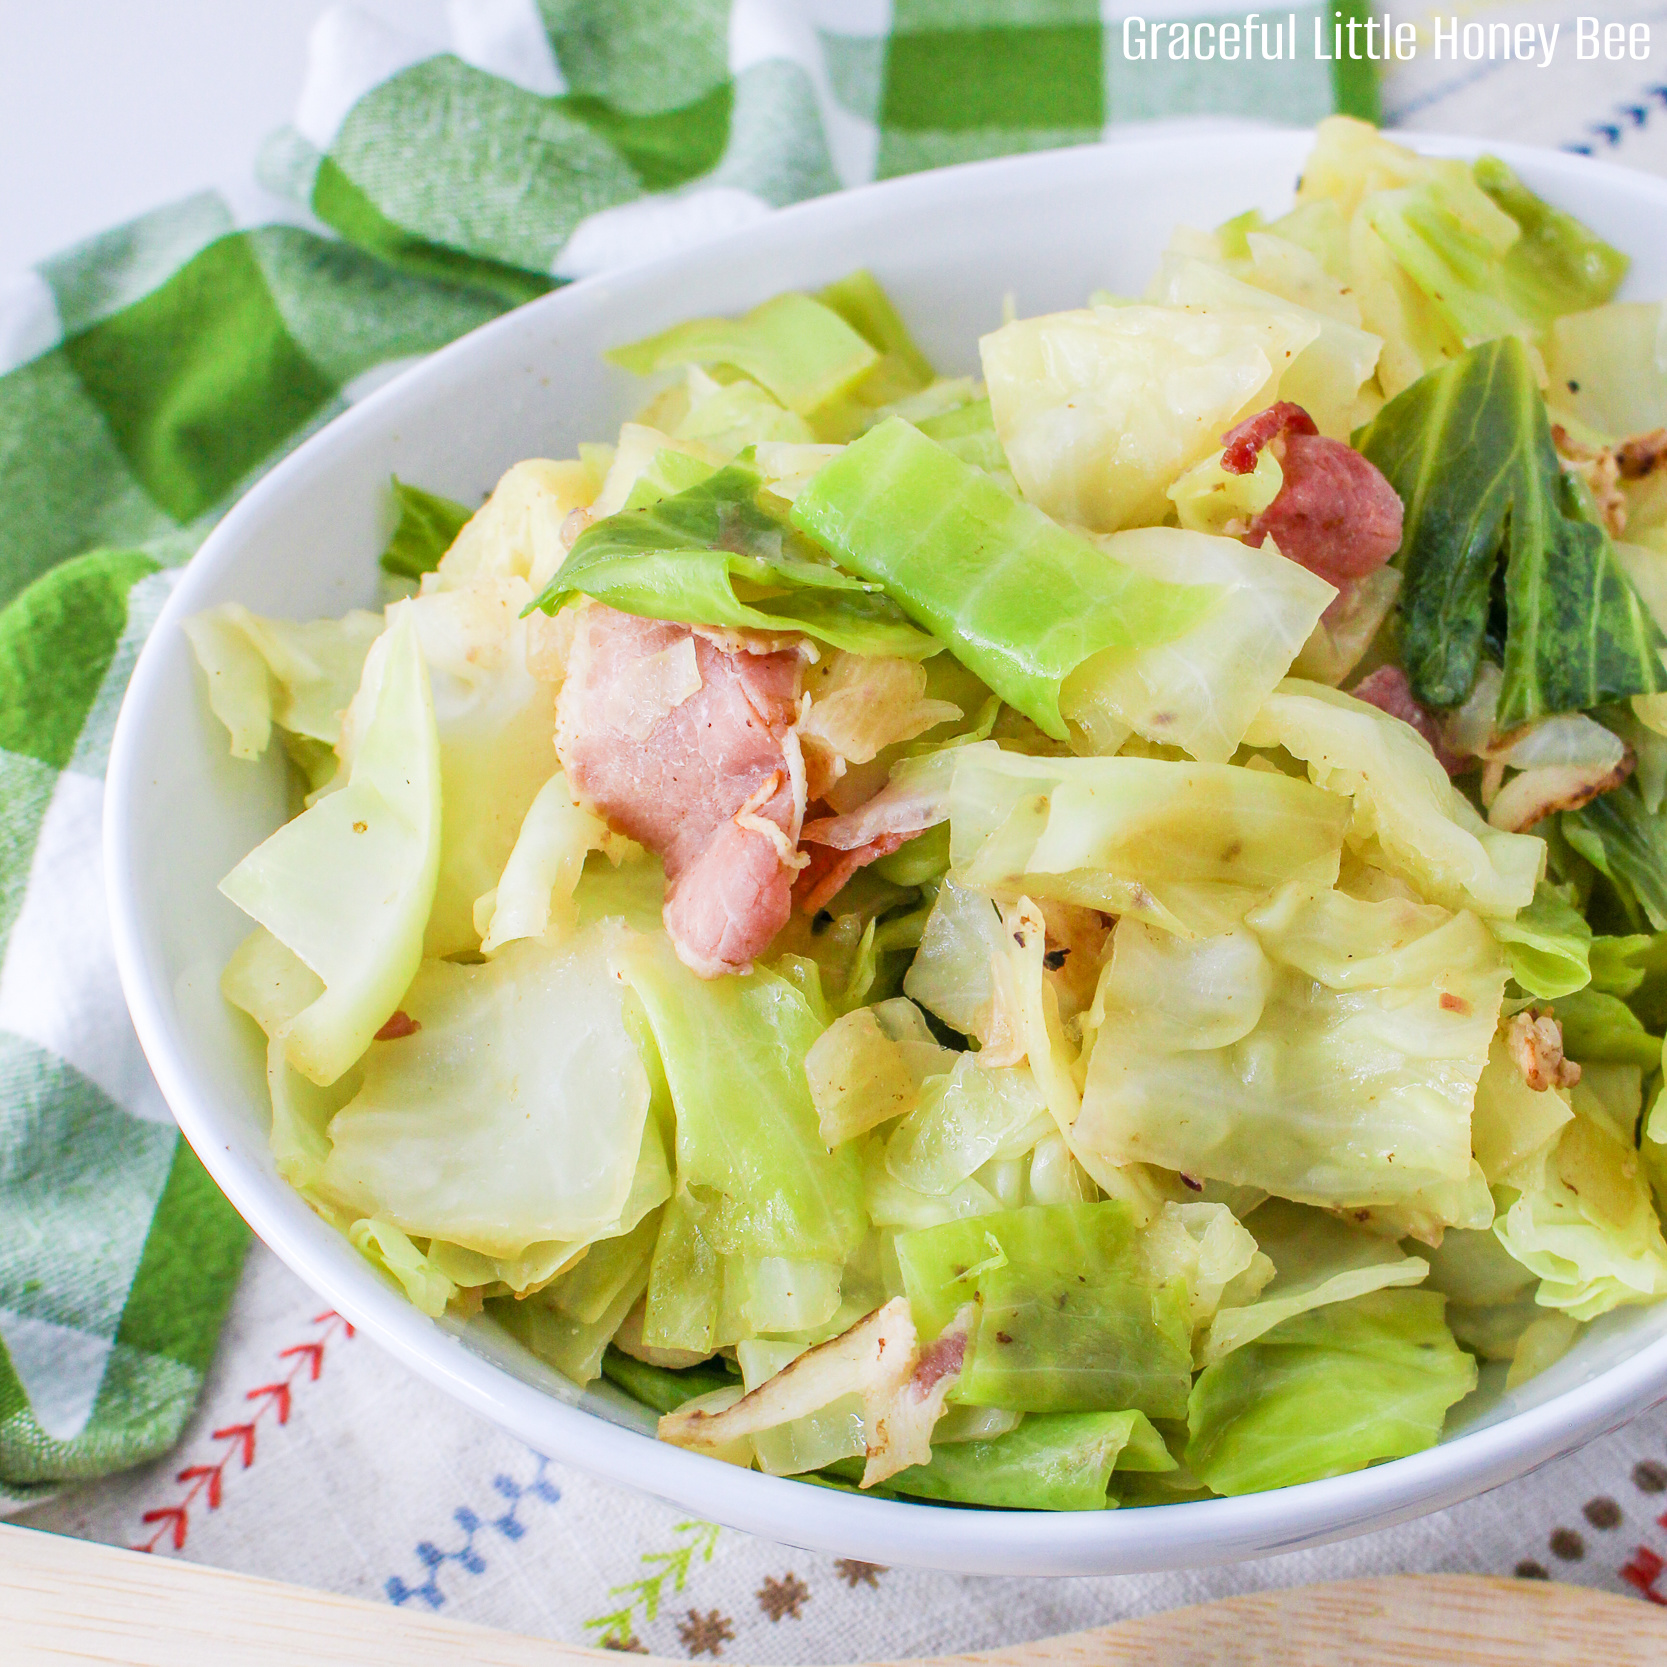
(146, 377)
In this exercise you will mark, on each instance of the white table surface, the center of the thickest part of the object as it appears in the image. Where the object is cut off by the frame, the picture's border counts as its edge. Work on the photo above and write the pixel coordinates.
(109, 107)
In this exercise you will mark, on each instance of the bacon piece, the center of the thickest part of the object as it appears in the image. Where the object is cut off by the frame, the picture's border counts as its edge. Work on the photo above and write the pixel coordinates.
(1241, 445)
(824, 876)
(1335, 514)
(715, 786)
(1388, 690)
(1535, 1042)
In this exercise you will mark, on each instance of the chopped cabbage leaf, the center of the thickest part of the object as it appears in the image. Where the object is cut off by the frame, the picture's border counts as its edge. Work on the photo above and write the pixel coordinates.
(859, 1077)
(535, 891)
(1603, 1029)
(512, 1116)
(427, 527)
(951, 974)
(865, 306)
(496, 724)
(1186, 846)
(1201, 689)
(1207, 1246)
(382, 1244)
(1408, 817)
(1607, 369)
(1336, 1053)
(803, 351)
(1583, 1222)
(1018, 600)
(1071, 1319)
(749, 1152)
(1511, 1124)
(1549, 944)
(300, 676)
(1469, 450)
(1556, 265)
(1318, 1261)
(517, 532)
(347, 886)
(1099, 410)
(1053, 1461)
(729, 417)
(1628, 846)
(965, 1119)
(1208, 499)
(1327, 1392)
(1324, 378)
(683, 557)
(890, 1204)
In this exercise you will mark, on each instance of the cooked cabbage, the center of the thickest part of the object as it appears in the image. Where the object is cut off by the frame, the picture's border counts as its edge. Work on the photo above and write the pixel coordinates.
(347, 886)
(1334, 1058)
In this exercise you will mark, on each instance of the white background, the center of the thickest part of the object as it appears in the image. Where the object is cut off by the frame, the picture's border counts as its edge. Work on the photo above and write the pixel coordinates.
(109, 107)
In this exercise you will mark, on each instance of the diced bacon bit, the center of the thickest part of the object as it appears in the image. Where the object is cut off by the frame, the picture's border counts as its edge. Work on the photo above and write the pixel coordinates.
(902, 1386)
(1535, 1042)
(1242, 445)
(1335, 514)
(1642, 455)
(1450, 1003)
(701, 788)
(1601, 469)
(827, 870)
(401, 1024)
(1388, 690)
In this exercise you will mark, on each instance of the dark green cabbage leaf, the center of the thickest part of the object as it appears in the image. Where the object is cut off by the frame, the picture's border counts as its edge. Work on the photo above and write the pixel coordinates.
(1468, 447)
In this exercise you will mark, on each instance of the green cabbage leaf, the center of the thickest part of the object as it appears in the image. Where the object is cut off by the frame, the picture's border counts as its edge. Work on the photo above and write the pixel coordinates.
(712, 555)
(1018, 599)
(1326, 1392)
(1072, 1319)
(1469, 449)
(512, 1115)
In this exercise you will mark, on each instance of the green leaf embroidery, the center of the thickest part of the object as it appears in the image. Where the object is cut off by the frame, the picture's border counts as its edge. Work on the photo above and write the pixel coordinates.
(1468, 447)
(427, 526)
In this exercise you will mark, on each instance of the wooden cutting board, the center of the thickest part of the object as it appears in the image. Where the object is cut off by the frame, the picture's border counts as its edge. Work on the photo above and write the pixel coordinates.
(69, 1601)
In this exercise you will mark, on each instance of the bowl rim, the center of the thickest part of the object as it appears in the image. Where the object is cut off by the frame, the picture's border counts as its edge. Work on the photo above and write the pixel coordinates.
(956, 1538)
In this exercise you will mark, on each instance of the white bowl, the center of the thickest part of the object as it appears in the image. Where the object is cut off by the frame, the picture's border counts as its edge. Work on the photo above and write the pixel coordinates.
(180, 812)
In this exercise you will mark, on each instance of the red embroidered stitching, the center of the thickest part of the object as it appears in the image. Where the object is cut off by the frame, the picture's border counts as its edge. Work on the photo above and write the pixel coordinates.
(207, 1481)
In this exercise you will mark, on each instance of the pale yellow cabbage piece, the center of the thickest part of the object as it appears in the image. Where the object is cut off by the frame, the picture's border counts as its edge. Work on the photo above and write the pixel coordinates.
(1186, 846)
(347, 886)
(517, 532)
(1099, 410)
(1201, 690)
(1408, 817)
(1332, 1061)
(496, 725)
(1326, 376)
(1584, 1223)
(535, 892)
(513, 1116)
(297, 674)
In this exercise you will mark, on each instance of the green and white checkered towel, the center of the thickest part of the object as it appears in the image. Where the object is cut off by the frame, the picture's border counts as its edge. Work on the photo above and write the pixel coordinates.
(149, 375)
